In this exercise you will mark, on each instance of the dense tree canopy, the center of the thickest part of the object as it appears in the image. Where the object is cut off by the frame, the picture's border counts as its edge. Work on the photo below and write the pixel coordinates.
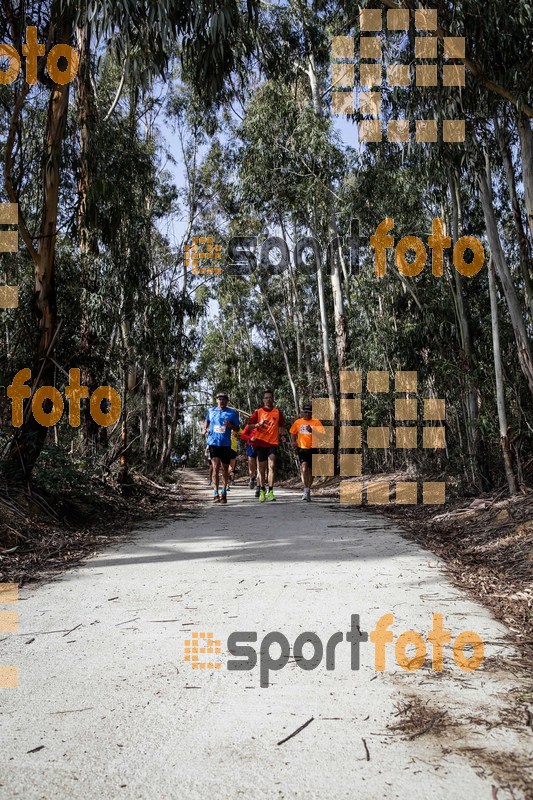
(244, 91)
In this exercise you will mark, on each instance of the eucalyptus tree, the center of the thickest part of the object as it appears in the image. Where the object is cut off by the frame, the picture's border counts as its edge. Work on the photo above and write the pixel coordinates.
(143, 36)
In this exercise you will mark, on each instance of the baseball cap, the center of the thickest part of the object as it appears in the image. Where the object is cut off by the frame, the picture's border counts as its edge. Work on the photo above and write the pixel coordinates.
(307, 407)
(222, 394)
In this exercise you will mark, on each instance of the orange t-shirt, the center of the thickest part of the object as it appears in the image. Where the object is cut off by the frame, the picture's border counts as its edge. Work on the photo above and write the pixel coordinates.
(268, 433)
(303, 428)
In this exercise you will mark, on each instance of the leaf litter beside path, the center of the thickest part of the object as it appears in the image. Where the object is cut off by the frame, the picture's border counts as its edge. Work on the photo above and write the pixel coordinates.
(444, 735)
(42, 534)
(486, 544)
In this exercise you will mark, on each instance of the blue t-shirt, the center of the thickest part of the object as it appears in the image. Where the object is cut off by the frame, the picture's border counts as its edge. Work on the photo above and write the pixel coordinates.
(219, 435)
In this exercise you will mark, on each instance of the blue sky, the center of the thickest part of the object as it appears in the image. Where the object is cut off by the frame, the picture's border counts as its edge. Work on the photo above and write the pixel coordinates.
(175, 227)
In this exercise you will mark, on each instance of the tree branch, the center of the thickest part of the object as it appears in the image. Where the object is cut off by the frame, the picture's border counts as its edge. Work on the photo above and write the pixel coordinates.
(10, 188)
(474, 69)
(118, 94)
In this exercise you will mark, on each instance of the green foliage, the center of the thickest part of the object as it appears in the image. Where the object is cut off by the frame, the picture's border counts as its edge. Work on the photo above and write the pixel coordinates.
(58, 473)
(260, 155)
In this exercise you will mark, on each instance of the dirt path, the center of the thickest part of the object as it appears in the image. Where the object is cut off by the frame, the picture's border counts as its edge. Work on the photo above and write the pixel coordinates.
(107, 695)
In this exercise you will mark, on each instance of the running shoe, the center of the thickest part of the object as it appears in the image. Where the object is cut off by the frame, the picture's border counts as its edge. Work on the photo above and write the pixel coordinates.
(223, 498)
(308, 497)
(216, 498)
(251, 484)
(304, 496)
(257, 490)
(261, 495)
(270, 495)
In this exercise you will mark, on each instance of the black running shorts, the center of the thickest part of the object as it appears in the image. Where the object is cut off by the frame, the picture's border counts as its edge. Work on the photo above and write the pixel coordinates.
(305, 454)
(224, 453)
(264, 452)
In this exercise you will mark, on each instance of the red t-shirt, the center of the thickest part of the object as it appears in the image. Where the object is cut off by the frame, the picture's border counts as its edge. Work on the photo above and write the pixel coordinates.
(272, 420)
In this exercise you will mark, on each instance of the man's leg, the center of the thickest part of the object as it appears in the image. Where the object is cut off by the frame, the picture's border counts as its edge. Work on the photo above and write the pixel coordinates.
(303, 466)
(262, 461)
(215, 464)
(225, 473)
(261, 471)
(306, 475)
(271, 475)
(252, 467)
(271, 470)
(224, 461)
(252, 471)
(311, 476)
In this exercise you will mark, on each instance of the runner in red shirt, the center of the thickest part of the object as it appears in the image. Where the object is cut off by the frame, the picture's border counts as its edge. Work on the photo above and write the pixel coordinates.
(269, 424)
(248, 436)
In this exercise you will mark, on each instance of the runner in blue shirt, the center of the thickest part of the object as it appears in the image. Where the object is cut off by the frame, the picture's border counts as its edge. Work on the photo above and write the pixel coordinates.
(218, 424)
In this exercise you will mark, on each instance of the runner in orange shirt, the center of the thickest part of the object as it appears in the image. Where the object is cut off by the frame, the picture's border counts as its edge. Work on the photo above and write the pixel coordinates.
(269, 424)
(302, 437)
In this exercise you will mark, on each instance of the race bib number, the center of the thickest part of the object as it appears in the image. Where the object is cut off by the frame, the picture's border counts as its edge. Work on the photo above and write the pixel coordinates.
(219, 428)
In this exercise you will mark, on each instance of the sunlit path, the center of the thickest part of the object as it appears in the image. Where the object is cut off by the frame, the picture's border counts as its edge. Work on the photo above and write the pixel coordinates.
(107, 694)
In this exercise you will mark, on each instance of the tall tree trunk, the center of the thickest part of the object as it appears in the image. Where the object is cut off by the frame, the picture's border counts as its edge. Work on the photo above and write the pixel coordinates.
(164, 450)
(292, 312)
(285, 354)
(300, 322)
(341, 339)
(500, 393)
(526, 147)
(173, 417)
(123, 472)
(523, 248)
(502, 270)
(313, 83)
(149, 425)
(85, 104)
(129, 378)
(471, 390)
(29, 439)
(341, 336)
(324, 331)
(176, 389)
